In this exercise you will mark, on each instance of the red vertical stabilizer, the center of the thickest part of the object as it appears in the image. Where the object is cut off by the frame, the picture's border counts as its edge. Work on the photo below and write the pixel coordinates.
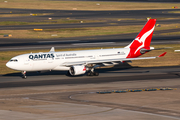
(143, 40)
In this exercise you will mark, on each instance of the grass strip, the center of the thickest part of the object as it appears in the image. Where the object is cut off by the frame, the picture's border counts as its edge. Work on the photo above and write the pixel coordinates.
(57, 21)
(80, 32)
(17, 15)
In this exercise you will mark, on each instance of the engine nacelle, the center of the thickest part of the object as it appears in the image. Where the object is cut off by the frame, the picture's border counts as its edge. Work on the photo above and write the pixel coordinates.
(77, 70)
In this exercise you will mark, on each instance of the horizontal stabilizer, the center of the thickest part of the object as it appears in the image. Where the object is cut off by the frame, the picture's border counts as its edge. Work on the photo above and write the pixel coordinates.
(145, 50)
(162, 54)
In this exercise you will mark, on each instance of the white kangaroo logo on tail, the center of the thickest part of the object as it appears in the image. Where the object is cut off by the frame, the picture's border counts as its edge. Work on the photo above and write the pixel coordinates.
(143, 38)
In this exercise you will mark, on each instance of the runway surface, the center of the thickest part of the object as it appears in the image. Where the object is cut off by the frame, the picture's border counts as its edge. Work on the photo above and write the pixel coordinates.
(106, 75)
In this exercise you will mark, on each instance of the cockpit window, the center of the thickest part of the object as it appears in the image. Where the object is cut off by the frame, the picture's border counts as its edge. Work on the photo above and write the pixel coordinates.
(13, 60)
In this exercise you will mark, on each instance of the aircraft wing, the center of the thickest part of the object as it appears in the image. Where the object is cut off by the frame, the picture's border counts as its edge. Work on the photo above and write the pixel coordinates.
(109, 60)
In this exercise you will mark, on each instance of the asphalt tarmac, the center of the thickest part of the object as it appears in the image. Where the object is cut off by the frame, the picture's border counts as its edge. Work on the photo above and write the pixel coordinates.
(80, 101)
(106, 75)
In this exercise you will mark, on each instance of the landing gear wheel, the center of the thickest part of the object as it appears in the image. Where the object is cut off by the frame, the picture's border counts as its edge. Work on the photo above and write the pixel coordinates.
(68, 73)
(24, 74)
(24, 77)
(92, 73)
(96, 74)
(88, 74)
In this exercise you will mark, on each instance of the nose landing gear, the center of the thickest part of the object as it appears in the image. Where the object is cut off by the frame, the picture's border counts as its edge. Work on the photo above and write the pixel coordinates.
(24, 74)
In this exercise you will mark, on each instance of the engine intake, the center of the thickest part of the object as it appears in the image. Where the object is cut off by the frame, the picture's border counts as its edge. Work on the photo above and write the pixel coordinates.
(77, 70)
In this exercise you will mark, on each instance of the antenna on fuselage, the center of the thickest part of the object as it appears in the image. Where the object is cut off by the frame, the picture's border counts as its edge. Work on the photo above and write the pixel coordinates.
(52, 49)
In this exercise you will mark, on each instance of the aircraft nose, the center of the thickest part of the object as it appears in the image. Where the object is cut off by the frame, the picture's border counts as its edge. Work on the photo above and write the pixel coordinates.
(8, 65)
(11, 65)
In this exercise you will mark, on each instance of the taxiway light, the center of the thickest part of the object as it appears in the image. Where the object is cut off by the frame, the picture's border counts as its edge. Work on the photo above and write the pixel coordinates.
(38, 29)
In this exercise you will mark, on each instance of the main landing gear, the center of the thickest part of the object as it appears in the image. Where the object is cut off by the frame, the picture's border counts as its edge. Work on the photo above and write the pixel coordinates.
(92, 73)
(24, 74)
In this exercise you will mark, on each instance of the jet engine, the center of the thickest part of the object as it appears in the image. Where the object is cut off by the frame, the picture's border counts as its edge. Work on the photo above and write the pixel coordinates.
(77, 70)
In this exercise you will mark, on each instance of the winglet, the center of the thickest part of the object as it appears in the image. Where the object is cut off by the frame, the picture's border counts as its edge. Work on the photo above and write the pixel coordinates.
(162, 54)
(52, 49)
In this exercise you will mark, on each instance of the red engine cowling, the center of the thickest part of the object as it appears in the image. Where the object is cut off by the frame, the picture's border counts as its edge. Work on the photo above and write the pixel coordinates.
(77, 70)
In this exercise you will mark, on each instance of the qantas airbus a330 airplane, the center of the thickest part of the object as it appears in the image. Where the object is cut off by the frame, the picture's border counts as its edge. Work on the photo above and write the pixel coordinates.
(79, 62)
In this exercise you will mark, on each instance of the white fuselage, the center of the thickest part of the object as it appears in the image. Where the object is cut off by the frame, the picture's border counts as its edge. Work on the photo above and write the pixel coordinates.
(55, 60)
